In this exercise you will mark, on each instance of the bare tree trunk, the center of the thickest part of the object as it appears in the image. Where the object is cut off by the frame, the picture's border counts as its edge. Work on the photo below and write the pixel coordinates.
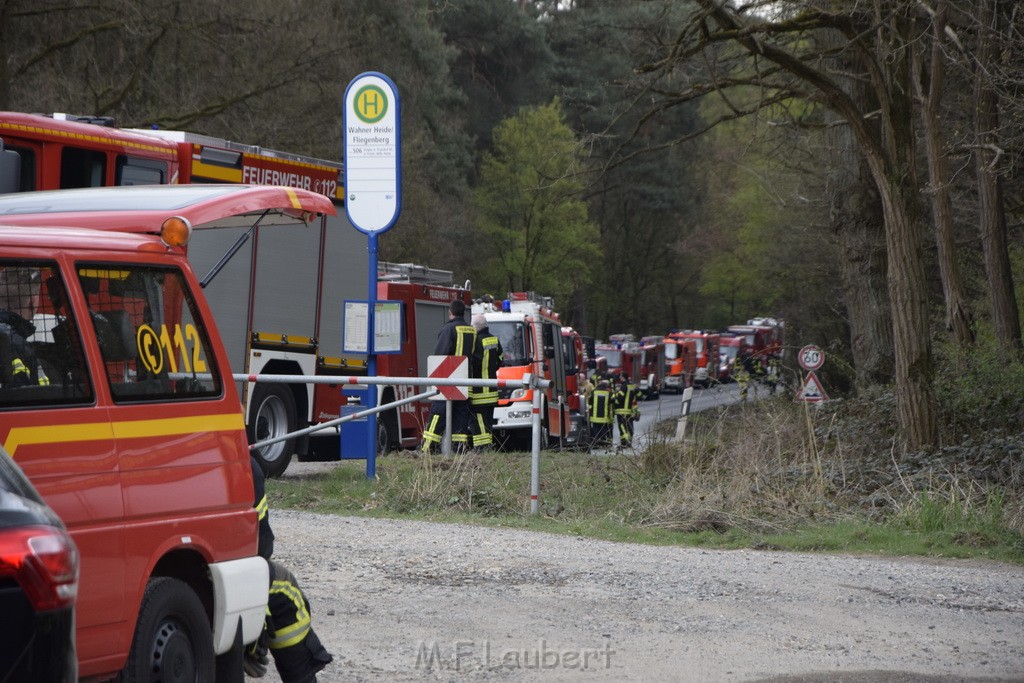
(958, 315)
(890, 154)
(859, 227)
(991, 212)
(892, 164)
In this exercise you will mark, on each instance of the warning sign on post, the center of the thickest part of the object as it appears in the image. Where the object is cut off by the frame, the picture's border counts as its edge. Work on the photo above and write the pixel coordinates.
(449, 367)
(811, 389)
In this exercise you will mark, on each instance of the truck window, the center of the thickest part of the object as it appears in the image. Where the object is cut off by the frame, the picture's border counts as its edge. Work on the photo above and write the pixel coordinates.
(154, 344)
(135, 171)
(82, 168)
(41, 359)
(514, 345)
(27, 172)
(569, 353)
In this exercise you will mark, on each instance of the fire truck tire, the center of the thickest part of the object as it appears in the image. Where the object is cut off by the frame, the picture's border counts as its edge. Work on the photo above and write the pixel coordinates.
(387, 432)
(272, 413)
(172, 641)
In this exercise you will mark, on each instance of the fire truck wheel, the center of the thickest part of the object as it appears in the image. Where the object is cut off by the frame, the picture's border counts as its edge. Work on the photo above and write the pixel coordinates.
(272, 414)
(387, 433)
(172, 639)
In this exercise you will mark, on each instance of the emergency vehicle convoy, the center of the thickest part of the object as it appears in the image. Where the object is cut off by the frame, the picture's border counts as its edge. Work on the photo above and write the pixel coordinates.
(534, 341)
(276, 294)
(119, 405)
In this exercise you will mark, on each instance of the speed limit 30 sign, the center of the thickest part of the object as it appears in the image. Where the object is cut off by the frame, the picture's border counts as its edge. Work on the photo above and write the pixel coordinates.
(811, 357)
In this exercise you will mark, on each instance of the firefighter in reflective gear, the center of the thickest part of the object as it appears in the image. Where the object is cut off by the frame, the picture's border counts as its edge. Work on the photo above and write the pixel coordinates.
(455, 338)
(744, 370)
(627, 409)
(288, 633)
(487, 358)
(19, 298)
(773, 374)
(599, 411)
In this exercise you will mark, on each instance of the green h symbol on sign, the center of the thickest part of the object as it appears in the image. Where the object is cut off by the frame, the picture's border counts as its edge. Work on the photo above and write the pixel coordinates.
(371, 104)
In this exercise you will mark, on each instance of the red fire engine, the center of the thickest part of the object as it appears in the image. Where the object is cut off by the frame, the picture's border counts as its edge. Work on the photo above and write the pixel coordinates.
(623, 355)
(763, 337)
(277, 295)
(680, 363)
(652, 366)
(731, 347)
(534, 341)
(707, 344)
(137, 437)
(643, 362)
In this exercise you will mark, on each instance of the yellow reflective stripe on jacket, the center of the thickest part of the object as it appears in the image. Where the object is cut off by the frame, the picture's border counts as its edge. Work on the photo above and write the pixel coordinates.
(293, 633)
(261, 508)
(600, 412)
(465, 337)
(486, 395)
(19, 368)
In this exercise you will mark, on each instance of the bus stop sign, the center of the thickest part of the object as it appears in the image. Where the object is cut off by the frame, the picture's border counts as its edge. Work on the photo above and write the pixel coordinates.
(373, 153)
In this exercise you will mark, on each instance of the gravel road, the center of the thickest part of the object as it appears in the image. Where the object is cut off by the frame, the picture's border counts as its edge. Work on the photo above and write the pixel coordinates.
(412, 601)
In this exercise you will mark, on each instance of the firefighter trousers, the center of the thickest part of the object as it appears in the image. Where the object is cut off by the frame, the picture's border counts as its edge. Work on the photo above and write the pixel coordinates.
(296, 649)
(434, 433)
(625, 423)
(481, 426)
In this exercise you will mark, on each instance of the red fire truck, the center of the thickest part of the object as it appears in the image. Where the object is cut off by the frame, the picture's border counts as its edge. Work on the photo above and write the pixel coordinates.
(680, 363)
(762, 336)
(137, 438)
(277, 295)
(622, 355)
(652, 366)
(534, 341)
(707, 344)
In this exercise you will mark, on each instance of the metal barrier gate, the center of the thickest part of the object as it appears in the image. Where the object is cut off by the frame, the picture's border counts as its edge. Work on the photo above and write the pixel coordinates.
(528, 381)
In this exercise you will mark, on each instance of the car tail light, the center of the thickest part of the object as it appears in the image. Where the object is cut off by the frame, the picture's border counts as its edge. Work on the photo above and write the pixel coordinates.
(44, 561)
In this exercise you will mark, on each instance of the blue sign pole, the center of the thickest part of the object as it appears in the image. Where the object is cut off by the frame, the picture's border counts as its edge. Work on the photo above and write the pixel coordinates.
(371, 361)
(373, 193)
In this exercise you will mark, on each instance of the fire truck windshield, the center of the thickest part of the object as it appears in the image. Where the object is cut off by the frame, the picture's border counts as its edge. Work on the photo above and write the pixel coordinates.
(512, 336)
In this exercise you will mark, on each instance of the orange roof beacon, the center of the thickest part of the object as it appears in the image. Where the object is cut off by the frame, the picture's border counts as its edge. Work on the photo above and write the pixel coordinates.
(124, 415)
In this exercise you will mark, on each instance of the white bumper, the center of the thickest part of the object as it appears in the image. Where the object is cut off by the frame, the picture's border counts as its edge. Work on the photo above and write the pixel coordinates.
(514, 416)
(240, 590)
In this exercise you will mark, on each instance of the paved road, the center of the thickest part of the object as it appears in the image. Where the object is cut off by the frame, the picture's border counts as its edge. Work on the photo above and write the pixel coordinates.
(670, 407)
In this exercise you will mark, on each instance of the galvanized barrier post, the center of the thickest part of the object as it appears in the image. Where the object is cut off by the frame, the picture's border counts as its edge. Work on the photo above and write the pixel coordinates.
(535, 461)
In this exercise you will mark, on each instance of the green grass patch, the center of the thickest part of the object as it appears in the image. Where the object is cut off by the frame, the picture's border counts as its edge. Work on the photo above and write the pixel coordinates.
(691, 494)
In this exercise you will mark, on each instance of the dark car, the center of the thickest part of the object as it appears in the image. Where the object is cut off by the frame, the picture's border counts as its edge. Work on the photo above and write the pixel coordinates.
(38, 585)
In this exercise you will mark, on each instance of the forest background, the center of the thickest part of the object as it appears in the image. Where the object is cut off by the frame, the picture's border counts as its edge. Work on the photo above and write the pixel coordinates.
(851, 167)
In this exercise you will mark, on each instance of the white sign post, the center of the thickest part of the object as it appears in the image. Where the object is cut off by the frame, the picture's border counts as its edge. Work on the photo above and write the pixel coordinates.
(681, 422)
(372, 153)
(811, 358)
(372, 127)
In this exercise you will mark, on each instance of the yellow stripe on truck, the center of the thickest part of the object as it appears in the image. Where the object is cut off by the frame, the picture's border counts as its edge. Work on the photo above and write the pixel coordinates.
(294, 198)
(129, 429)
(214, 172)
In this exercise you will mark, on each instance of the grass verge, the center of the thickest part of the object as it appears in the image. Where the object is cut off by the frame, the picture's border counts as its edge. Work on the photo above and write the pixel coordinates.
(779, 486)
